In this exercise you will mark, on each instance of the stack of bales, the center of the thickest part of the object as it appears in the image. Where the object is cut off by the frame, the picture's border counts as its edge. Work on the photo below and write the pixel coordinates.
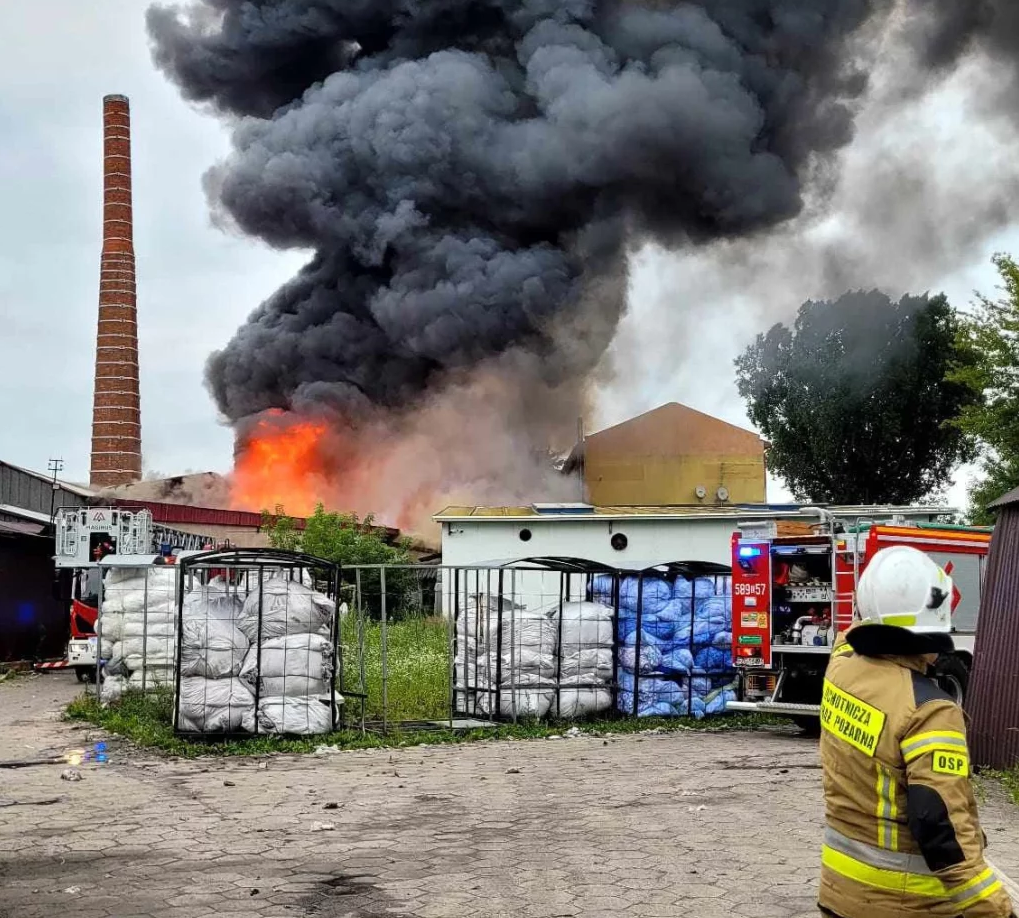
(675, 645)
(291, 661)
(522, 662)
(213, 649)
(137, 626)
(509, 658)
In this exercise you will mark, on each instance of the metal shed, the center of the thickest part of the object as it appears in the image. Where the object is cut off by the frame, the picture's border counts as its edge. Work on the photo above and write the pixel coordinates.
(993, 699)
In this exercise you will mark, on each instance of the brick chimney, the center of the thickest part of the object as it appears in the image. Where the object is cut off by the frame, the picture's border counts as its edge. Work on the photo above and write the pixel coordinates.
(116, 413)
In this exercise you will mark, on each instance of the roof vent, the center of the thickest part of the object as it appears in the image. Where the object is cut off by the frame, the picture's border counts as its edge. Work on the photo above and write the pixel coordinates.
(562, 509)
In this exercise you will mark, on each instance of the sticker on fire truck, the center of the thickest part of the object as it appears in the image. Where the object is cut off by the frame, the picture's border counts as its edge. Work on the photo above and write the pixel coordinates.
(754, 639)
(850, 719)
(754, 620)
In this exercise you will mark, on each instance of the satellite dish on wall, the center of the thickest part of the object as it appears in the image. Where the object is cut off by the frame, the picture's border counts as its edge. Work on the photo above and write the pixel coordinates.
(722, 494)
(701, 492)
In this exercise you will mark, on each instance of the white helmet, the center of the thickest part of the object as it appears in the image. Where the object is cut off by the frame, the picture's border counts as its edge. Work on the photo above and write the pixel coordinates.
(904, 588)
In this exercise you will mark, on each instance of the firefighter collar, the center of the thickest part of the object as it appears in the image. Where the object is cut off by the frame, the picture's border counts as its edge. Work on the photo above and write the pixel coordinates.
(875, 640)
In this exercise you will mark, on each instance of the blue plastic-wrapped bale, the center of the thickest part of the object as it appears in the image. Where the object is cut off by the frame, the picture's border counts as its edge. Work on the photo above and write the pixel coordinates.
(654, 594)
(713, 659)
(699, 588)
(650, 653)
(710, 617)
(602, 589)
(626, 626)
(657, 696)
(677, 661)
(679, 613)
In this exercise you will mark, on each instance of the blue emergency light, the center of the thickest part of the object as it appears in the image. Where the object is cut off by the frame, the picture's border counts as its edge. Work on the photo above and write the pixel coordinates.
(749, 551)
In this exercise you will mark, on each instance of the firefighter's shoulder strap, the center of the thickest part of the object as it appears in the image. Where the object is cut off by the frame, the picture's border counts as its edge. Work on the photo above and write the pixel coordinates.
(941, 808)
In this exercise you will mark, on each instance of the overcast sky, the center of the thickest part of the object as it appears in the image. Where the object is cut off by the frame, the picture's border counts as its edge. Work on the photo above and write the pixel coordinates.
(196, 284)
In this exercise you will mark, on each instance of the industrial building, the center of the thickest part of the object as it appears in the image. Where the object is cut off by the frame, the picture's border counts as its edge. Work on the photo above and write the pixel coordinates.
(33, 620)
(624, 537)
(671, 456)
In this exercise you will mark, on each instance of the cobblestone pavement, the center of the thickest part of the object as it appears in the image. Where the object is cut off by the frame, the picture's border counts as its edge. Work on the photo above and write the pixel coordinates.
(675, 825)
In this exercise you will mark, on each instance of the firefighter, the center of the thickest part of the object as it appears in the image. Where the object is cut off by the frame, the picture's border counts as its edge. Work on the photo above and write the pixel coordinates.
(902, 835)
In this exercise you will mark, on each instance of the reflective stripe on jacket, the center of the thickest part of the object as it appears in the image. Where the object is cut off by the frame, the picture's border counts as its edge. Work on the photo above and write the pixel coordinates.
(902, 837)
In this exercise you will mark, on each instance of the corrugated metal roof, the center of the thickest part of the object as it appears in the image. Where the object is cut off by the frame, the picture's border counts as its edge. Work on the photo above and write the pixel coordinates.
(993, 698)
(24, 514)
(29, 529)
(80, 490)
(730, 511)
(207, 516)
(210, 516)
(1011, 498)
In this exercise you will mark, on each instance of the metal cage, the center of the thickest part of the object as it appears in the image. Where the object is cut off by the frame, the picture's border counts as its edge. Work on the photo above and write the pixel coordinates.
(257, 650)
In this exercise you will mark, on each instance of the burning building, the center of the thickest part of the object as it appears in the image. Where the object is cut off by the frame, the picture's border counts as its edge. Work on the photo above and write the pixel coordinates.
(470, 177)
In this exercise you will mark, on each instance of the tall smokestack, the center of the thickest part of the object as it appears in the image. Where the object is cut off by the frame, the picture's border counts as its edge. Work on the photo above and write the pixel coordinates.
(116, 412)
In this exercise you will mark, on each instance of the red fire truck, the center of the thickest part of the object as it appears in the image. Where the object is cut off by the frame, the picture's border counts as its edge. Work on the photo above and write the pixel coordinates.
(793, 593)
(84, 536)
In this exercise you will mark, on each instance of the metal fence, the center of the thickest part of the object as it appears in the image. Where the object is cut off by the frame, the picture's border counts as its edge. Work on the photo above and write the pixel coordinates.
(252, 642)
(544, 638)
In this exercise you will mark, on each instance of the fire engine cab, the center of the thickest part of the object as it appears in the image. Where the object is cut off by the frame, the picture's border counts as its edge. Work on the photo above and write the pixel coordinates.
(793, 592)
(84, 537)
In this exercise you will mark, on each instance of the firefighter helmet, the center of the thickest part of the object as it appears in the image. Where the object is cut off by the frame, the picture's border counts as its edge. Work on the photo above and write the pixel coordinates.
(904, 588)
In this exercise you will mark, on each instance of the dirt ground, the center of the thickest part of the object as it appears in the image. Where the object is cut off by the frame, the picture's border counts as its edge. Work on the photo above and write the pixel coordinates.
(682, 824)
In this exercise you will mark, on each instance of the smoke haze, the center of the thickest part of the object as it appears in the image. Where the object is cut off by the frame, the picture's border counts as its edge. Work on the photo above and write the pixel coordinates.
(471, 176)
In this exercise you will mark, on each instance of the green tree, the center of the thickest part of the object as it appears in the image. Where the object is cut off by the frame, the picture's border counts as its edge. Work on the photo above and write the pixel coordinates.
(281, 530)
(854, 398)
(989, 342)
(347, 540)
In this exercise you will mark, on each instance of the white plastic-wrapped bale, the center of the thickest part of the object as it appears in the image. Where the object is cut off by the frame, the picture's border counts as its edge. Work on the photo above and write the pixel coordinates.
(215, 706)
(522, 664)
(585, 660)
(212, 644)
(287, 607)
(298, 716)
(137, 627)
(292, 666)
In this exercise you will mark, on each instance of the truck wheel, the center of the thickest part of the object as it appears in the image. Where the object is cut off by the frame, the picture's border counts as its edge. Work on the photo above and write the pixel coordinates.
(85, 673)
(811, 726)
(952, 674)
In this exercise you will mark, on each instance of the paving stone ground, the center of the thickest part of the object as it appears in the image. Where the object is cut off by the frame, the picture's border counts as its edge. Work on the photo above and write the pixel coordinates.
(684, 824)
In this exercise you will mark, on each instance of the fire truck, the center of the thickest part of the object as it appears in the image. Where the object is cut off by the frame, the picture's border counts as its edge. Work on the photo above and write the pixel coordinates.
(85, 536)
(793, 592)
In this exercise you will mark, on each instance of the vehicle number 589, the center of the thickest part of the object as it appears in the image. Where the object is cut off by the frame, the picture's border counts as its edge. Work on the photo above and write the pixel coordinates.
(749, 589)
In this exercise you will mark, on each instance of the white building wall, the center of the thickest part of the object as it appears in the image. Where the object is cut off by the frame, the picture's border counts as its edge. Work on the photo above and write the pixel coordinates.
(486, 540)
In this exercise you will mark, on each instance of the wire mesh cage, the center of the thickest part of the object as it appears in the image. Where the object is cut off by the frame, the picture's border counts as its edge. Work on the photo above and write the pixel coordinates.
(674, 639)
(530, 642)
(258, 650)
(136, 626)
(545, 638)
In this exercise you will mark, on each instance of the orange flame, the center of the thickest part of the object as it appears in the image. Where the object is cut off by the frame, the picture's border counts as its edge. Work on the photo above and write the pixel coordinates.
(278, 464)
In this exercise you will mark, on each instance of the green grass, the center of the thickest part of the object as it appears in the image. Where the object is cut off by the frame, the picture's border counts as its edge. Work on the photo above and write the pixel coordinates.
(418, 689)
(1008, 779)
(417, 684)
(147, 721)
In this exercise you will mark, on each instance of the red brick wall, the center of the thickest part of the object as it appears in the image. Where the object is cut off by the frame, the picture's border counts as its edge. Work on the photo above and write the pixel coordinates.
(116, 415)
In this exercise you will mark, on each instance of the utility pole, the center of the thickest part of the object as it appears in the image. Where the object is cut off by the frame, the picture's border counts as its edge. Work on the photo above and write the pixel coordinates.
(56, 466)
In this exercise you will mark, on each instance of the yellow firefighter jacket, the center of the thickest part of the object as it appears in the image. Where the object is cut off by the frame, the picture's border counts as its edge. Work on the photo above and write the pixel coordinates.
(902, 835)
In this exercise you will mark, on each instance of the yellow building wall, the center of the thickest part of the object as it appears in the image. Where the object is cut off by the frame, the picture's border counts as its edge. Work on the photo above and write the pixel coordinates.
(658, 480)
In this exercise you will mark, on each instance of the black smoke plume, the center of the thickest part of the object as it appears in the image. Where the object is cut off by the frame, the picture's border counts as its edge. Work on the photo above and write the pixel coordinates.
(469, 173)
